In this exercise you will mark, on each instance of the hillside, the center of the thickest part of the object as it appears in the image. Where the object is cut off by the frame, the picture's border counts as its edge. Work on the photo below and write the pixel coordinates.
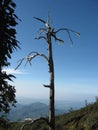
(84, 119)
(34, 110)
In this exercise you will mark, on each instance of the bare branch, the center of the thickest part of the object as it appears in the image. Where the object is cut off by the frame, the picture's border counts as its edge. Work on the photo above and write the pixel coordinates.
(20, 62)
(70, 38)
(31, 56)
(59, 40)
(40, 37)
(66, 29)
(33, 121)
(46, 86)
(27, 62)
(41, 33)
(41, 20)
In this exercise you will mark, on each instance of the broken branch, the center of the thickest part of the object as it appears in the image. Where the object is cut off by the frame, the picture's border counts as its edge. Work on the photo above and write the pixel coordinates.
(33, 121)
(46, 86)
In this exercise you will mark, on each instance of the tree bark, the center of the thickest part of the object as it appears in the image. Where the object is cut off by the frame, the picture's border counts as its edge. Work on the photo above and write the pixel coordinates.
(52, 86)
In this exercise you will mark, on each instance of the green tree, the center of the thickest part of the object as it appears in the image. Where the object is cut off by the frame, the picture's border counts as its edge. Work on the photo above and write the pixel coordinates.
(4, 123)
(8, 43)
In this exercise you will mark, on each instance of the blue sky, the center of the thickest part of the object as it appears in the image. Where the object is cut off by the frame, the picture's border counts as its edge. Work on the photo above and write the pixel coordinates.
(76, 68)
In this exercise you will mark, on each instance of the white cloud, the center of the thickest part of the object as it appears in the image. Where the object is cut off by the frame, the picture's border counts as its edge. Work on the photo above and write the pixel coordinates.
(13, 71)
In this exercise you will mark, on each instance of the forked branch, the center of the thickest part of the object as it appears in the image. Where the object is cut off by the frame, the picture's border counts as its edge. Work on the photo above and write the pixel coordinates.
(53, 32)
(31, 56)
(68, 31)
(41, 32)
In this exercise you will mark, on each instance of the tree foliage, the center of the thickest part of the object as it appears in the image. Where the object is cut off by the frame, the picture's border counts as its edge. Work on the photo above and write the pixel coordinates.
(8, 43)
(4, 123)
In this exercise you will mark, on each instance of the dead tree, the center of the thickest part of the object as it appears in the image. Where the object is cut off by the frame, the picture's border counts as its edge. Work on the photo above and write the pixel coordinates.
(47, 34)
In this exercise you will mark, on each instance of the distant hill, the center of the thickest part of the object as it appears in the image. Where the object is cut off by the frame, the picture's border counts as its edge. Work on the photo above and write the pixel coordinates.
(59, 104)
(28, 107)
(85, 118)
(34, 110)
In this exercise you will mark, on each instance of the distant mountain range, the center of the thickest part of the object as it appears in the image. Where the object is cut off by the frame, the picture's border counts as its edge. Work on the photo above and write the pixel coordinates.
(34, 110)
(59, 104)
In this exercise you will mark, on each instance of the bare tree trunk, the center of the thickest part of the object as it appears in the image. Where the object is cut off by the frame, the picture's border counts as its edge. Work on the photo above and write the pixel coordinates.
(49, 32)
(52, 87)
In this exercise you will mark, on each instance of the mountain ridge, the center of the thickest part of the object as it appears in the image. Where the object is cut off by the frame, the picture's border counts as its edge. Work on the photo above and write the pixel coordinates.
(34, 110)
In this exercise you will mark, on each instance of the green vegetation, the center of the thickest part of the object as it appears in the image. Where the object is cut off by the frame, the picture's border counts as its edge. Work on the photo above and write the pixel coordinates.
(8, 43)
(84, 119)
